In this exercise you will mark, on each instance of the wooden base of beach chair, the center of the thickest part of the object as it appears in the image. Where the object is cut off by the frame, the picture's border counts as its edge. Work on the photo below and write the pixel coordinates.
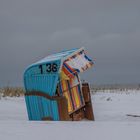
(85, 111)
(63, 109)
(88, 103)
(78, 115)
(89, 112)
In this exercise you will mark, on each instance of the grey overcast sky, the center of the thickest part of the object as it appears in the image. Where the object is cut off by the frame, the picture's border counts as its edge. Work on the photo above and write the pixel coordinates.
(109, 30)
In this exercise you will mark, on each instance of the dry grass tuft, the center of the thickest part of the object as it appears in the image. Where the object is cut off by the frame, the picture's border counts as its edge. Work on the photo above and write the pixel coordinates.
(12, 91)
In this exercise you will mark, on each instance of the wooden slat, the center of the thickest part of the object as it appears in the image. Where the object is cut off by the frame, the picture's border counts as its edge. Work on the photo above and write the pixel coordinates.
(63, 109)
(88, 103)
(89, 112)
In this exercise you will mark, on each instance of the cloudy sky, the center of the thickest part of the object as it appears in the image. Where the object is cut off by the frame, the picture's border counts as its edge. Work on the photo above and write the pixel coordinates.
(108, 29)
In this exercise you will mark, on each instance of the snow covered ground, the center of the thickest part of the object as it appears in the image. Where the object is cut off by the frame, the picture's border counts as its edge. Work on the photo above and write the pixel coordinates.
(110, 110)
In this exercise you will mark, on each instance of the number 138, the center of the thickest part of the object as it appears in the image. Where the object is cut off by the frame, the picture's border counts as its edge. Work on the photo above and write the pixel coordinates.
(49, 68)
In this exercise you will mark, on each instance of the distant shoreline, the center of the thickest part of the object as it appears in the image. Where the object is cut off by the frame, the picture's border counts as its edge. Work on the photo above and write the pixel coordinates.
(116, 86)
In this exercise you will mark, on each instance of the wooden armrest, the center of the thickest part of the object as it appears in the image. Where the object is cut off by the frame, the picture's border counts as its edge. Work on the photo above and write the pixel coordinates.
(42, 94)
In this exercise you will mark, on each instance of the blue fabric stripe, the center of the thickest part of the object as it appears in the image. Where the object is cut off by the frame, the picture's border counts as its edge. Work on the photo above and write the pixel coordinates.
(88, 58)
(65, 65)
(60, 87)
(80, 94)
(69, 89)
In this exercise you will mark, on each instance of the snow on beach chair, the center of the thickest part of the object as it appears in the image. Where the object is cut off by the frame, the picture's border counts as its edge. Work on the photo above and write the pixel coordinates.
(54, 90)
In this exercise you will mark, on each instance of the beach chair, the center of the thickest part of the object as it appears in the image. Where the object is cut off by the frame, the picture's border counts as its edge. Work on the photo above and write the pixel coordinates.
(54, 90)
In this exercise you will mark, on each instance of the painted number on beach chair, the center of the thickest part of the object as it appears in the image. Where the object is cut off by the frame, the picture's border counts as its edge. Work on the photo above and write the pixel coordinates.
(50, 67)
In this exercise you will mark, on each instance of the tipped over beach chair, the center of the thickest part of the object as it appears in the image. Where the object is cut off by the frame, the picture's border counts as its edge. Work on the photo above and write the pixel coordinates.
(54, 90)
